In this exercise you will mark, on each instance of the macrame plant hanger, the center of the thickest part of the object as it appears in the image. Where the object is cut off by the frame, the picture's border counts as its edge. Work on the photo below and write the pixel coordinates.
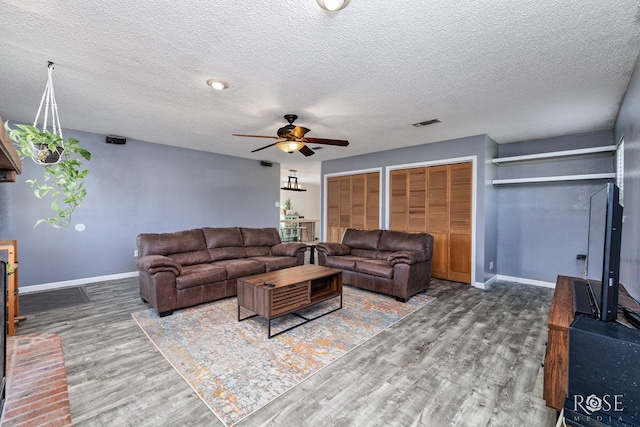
(44, 155)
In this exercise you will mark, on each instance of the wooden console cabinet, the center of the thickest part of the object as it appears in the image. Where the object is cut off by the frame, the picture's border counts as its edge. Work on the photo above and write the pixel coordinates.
(556, 359)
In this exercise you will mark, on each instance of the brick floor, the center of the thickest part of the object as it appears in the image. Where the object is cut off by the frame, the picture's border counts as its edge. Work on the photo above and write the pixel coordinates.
(37, 392)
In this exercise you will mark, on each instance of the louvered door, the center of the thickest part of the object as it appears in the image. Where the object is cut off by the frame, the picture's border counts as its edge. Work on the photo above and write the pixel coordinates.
(353, 201)
(436, 200)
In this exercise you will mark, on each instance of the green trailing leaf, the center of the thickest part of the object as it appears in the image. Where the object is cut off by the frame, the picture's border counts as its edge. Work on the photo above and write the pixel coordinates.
(62, 181)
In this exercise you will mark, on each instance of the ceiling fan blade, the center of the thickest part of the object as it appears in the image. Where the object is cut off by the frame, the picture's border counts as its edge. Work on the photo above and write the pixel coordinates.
(266, 146)
(307, 151)
(338, 142)
(254, 136)
(299, 131)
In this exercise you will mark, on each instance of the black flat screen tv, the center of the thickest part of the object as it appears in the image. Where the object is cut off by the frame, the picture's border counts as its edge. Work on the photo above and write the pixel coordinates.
(603, 253)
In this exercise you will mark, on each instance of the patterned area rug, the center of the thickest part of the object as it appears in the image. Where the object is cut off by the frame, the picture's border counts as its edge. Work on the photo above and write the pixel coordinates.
(236, 369)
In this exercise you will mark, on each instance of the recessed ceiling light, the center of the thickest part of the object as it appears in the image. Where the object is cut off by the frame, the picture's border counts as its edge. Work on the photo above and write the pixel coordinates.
(333, 5)
(217, 84)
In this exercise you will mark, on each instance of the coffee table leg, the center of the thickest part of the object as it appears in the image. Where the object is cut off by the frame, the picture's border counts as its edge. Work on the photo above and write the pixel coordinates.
(306, 320)
(248, 317)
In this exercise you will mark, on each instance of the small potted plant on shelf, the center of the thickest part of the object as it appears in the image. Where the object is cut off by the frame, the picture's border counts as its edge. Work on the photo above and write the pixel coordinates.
(286, 206)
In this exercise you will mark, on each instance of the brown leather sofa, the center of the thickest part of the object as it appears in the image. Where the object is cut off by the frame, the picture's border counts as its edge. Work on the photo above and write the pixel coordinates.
(390, 262)
(186, 268)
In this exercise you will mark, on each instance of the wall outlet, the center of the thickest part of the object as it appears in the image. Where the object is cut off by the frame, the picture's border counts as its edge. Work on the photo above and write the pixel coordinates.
(490, 265)
(277, 204)
(135, 253)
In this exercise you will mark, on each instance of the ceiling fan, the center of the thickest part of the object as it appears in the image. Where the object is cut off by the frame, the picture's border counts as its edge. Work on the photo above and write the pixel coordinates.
(291, 138)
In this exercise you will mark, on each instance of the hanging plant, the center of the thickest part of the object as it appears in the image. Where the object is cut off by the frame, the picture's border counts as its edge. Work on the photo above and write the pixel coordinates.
(62, 160)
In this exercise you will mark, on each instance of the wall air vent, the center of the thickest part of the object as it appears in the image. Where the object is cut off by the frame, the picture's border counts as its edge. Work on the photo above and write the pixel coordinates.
(426, 123)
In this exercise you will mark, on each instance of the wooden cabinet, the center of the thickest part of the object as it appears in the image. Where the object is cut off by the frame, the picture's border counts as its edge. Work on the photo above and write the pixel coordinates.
(353, 201)
(437, 200)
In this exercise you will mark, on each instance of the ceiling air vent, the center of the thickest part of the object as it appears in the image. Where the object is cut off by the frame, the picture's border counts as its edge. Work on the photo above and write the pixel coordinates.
(426, 123)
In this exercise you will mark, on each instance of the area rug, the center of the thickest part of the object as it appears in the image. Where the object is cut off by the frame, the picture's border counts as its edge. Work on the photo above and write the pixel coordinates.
(236, 369)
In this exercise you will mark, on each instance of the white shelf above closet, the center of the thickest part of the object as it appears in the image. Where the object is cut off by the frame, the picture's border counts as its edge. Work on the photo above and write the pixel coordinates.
(554, 178)
(553, 154)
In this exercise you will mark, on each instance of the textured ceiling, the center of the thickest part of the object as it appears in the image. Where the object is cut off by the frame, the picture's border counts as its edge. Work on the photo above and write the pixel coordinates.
(513, 70)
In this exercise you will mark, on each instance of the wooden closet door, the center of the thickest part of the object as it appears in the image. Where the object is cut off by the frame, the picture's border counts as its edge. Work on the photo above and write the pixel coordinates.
(353, 201)
(398, 207)
(373, 201)
(358, 200)
(437, 199)
(333, 209)
(460, 200)
(417, 201)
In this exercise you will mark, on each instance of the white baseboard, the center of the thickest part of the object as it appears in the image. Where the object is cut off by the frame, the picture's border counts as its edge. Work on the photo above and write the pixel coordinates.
(484, 285)
(75, 282)
(524, 281)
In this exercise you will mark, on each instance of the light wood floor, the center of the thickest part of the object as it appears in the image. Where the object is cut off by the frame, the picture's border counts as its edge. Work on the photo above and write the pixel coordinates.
(470, 358)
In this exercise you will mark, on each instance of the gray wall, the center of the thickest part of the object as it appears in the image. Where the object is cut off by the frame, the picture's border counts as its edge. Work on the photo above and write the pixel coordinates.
(628, 125)
(542, 227)
(489, 234)
(462, 147)
(133, 188)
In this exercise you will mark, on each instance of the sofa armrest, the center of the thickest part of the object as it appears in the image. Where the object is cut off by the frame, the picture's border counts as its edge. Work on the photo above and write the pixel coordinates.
(406, 257)
(155, 263)
(333, 248)
(288, 249)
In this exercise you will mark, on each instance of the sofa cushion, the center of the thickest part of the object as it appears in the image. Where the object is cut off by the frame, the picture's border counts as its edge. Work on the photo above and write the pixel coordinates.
(362, 239)
(342, 262)
(260, 236)
(277, 262)
(197, 275)
(399, 241)
(368, 253)
(255, 251)
(375, 267)
(231, 252)
(191, 258)
(241, 267)
(222, 237)
(175, 245)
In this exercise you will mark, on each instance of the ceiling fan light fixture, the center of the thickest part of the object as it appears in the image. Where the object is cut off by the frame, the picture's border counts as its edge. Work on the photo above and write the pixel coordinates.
(290, 146)
(333, 5)
(217, 84)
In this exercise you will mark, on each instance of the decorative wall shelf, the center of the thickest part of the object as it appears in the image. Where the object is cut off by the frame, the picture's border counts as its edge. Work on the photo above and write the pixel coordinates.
(555, 154)
(551, 155)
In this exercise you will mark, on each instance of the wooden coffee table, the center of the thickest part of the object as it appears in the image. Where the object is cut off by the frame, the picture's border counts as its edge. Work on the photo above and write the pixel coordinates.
(293, 289)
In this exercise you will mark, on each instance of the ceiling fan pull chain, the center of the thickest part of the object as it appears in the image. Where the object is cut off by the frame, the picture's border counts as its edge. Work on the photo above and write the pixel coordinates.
(49, 97)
